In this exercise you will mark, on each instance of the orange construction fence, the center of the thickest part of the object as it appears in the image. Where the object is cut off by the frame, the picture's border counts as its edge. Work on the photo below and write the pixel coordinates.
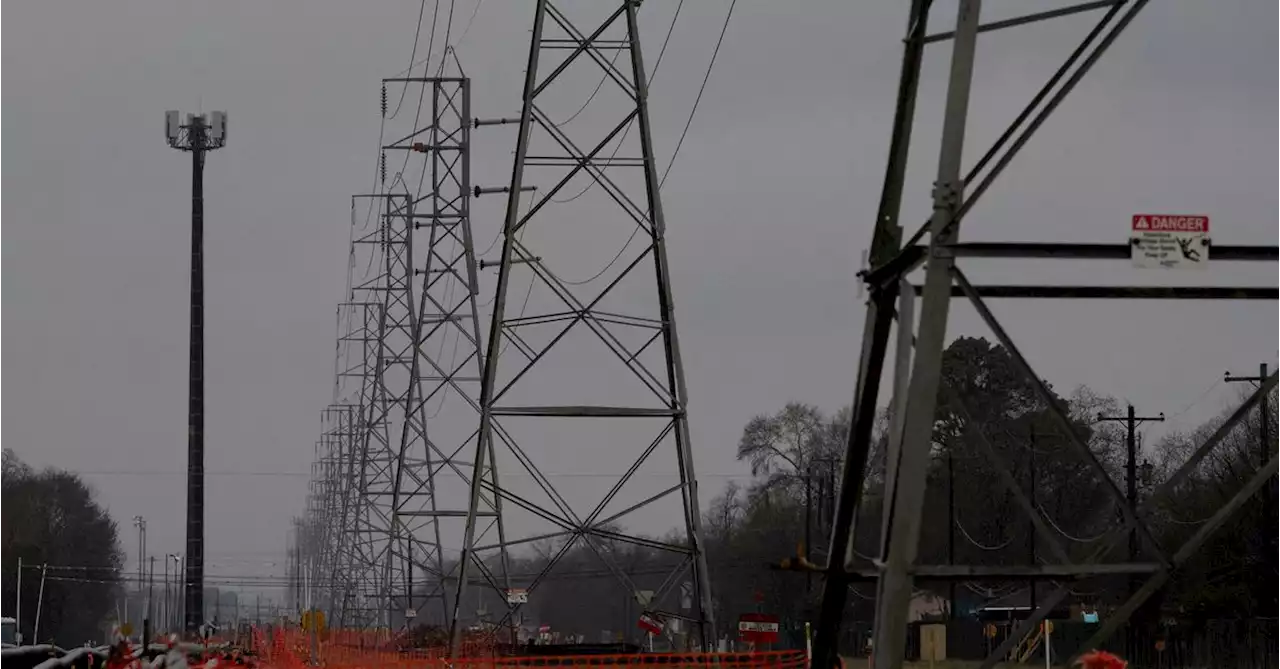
(292, 649)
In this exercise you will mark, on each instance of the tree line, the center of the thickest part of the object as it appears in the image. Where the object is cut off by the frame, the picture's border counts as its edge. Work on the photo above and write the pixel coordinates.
(50, 517)
(986, 406)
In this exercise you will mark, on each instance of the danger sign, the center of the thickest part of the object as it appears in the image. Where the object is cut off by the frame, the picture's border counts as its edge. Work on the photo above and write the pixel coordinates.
(1158, 223)
(758, 627)
(1165, 240)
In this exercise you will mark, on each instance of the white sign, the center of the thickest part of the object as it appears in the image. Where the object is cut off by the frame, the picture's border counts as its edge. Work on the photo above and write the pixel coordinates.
(517, 596)
(1161, 240)
(756, 626)
(410, 613)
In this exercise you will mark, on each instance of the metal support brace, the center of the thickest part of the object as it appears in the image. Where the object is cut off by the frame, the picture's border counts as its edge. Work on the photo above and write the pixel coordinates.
(905, 507)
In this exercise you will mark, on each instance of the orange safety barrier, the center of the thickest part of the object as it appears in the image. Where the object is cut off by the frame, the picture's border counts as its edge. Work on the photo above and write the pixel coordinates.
(416, 660)
(359, 649)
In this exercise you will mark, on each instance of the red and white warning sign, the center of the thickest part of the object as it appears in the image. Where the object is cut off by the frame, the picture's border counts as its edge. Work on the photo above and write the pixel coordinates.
(1165, 240)
(650, 623)
(758, 627)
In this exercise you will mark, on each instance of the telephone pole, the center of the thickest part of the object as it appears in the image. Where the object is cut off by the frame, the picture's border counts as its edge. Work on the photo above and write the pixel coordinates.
(197, 137)
(151, 588)
(1132, 421)
(951, 530)
(141, 523)
(1031, 492)
(1266, 494)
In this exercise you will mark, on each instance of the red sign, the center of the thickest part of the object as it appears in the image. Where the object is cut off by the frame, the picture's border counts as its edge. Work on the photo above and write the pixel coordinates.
(650, 623)
(1168, 223)
(758, 627)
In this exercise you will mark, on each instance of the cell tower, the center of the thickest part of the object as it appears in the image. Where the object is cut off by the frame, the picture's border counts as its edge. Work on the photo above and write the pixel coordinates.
(583, 379)
(198, 136)
(917, 369)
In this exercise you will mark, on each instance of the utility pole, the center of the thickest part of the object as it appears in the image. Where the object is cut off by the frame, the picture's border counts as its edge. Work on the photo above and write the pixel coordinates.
(1132, 421)
(17, 612)
(951, 531)
(151, 588)
(141, 523)
(175, 604)
(1031, 526)
(197, 137)
(35, 633)
(1267, 493)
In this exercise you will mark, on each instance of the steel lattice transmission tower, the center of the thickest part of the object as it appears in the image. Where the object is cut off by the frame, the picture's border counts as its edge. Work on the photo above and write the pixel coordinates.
(401, 453)
(349, 563)
(326, 539)
(583, 379)
(340, 455)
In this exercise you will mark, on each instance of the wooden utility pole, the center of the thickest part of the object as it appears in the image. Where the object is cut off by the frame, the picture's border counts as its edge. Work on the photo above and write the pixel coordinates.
(1132, 421)
(1264, 446)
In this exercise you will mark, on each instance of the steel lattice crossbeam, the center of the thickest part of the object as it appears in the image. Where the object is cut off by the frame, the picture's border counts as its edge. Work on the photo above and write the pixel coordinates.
(599, 354)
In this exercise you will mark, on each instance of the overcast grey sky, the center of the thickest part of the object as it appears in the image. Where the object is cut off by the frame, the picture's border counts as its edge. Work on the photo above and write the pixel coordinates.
(768, 207)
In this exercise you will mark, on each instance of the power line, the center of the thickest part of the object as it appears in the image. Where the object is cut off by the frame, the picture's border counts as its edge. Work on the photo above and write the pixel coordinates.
(973, 541)
(701, 89)
(448, 32)
(417, 33)
(1064, 533)
(467, 28)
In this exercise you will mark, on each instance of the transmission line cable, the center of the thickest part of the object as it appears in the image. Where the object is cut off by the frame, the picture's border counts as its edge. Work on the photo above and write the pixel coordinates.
(701, 89)
(448, 32)
(975, 542)
(1065, 534)
(413, 54)
(467, 28)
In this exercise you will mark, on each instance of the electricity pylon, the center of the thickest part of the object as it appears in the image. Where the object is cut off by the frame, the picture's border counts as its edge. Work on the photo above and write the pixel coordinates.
(588, 373)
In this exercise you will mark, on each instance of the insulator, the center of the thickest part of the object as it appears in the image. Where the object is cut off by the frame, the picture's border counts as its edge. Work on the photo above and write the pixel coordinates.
(383, 163)
(384, 100)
